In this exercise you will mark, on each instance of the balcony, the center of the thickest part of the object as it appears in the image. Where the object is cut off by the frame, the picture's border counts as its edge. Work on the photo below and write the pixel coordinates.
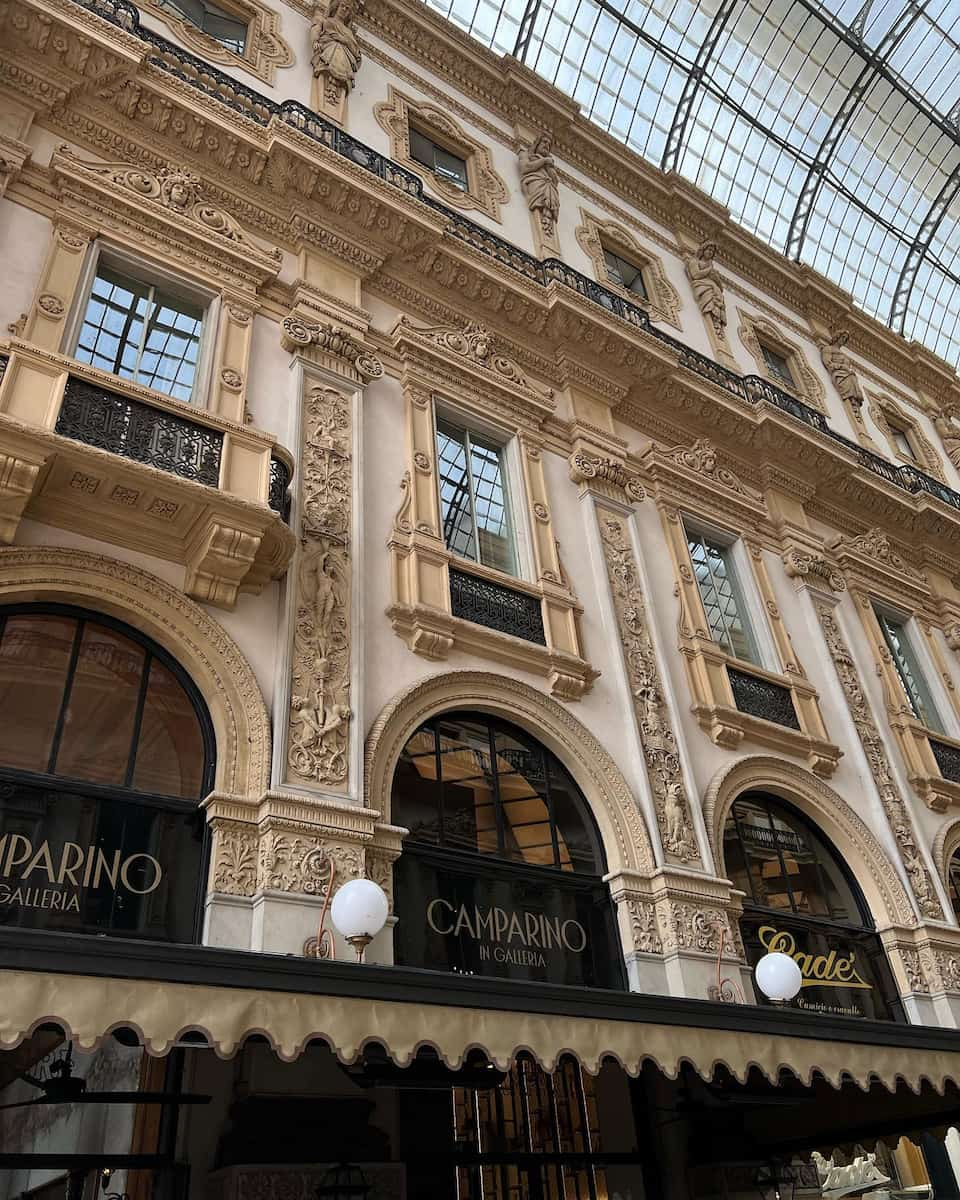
(86, 451)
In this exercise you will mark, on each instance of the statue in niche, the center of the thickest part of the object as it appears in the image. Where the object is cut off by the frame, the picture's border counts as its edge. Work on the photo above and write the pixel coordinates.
(540, 182)
(840, 366)
(707, 286)
(335, 51)
(949, 435)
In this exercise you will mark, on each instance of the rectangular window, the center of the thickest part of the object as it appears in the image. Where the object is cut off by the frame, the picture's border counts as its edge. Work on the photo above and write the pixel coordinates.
(141, 332)
(441, 162)
(777, 365)
(722, 597)
(473, 498)
(224, 27)
(905, 660)
(624, 273)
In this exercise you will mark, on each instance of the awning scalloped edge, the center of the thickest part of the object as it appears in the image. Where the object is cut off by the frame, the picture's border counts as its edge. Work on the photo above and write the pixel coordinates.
(90, 1008)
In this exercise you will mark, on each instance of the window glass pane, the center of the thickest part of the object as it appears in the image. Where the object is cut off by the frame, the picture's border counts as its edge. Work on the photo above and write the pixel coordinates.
(98, 725)
(522, 784)
(170, 746)
(171, 348)
(575, 840)
(625, 273)
(721, 595)
(450, 167)
(769, 882)
(34, 658)
(490, 502)
(229, 31)
(469, 811)
(112, 326)
(908, 669)
(902, 442)
(777, 365)
(456, 509)
(416, 788)
(421, 148)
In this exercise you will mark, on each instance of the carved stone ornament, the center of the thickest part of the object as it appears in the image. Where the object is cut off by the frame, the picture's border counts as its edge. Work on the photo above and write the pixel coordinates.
(689, 927)
(234, 869)
(178, 191)
(755, 330)
(334, 49)
(916, 980)
(477, 344)
(292, 862)
(701, 458)
(263, 52)
(875, 544)
(801, 564)
(707, 286)
(540, 182)
(320, 700)
(891, 418)
(643, 927)
(840, 367)
(52, 305)
(298, 333)
(949, 435)
(587, 468)
(890, 798)
(653, 719)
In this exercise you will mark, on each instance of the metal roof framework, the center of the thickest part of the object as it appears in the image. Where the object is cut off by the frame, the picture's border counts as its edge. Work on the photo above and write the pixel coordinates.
(829, 128)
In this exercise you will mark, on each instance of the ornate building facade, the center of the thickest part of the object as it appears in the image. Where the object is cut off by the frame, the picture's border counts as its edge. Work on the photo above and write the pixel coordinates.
(401, 479)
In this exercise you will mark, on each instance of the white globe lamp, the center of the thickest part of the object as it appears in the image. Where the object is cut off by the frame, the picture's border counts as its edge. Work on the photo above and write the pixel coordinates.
(359, 911)
(777, 976)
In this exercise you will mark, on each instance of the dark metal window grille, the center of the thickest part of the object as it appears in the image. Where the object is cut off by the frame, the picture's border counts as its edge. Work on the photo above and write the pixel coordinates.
(948, 759)
(496, 607)
(110, 421)
(627, 274)
(441, 162)
(227, 29)
(760, 698)
(721, 595)
(777, 365)
(909, 672)
(473, 498)
(137, 331)
(279, 495)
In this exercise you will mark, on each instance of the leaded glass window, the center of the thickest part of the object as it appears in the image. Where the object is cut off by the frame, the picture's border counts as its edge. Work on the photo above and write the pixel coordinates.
(722, 597)
(141, 332)
(474, 506)
(441, 162)
(224, 27)
(777, 365)
(908, 669)
(626, 274)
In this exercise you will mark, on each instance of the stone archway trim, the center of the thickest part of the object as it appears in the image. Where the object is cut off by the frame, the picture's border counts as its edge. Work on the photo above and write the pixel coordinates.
(199, 644)
(885, 893)
(625, 836)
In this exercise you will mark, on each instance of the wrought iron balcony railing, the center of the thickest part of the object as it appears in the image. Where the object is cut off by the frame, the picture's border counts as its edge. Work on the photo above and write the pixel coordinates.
(761, 698)
(496, 606)
(246, 102)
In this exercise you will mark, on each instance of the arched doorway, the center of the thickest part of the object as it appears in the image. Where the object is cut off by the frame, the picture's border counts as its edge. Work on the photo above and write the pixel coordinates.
(502, 870)
(802, 899)
(106, 748)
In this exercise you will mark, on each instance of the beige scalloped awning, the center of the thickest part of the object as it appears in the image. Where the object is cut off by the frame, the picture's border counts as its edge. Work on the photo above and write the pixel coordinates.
(90, 1008)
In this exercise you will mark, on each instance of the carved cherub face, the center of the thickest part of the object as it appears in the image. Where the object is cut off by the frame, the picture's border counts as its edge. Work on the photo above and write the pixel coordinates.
(840, 338)
(708, 250)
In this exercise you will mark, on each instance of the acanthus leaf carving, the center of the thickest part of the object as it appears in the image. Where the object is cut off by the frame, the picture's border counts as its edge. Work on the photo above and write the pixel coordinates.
(643, 926)
(701, 458)
(588, 467)
(320, 701)
(799, 564)
(234, 870)
(297, 333)
(893, 804)
(652, 717)
(291, 862)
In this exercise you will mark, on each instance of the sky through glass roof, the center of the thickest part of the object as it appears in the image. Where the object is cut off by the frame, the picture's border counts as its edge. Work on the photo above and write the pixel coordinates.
(829, 128)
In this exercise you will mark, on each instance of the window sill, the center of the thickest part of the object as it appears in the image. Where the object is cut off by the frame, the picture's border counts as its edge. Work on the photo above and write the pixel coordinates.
(196, 492)
(716, 710)
(926, 768)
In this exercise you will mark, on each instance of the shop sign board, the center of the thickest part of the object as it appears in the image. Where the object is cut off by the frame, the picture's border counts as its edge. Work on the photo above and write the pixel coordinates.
(98, 864)
(534, 925)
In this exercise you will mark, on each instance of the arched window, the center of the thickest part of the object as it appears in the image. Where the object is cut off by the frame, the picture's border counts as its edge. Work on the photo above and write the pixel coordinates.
(953, 881)
(802, 899)
(105, 750)
(502, 868)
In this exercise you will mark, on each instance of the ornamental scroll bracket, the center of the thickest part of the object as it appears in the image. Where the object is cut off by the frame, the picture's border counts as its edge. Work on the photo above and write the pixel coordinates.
(326, 341)
(598, 472)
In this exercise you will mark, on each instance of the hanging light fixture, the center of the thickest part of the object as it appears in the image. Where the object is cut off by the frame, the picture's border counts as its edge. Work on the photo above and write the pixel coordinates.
(778, 977)
(359, 911)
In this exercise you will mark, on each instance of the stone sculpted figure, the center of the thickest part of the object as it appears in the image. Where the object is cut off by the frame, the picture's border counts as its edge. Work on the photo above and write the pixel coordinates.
(949, 435)
(540, 182)
(335, 51)
(707, 285)
(840, 366)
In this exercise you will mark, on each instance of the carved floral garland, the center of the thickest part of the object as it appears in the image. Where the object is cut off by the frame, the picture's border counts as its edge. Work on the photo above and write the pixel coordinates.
(656, 737)
(893, 804)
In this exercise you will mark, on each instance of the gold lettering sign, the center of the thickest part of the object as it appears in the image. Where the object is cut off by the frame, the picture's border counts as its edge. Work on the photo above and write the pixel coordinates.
(817, 970)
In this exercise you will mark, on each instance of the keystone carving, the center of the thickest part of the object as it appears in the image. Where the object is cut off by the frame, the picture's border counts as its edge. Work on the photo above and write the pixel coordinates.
(650, 710)
(298, 333)
(701, 458)
(890, 798)
(320, 701)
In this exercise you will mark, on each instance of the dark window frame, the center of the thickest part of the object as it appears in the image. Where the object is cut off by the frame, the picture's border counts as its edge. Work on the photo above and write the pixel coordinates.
(782, 374)
(417, 131)
(615, 273)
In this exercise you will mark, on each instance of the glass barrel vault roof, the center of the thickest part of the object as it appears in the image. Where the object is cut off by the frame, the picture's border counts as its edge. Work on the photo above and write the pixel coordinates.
(829, 129)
